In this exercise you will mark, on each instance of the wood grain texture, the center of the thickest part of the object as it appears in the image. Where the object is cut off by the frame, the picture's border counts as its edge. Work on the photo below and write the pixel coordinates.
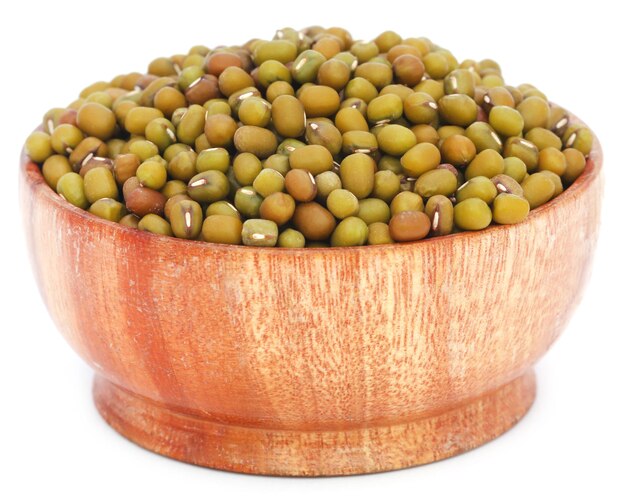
(380, 447)
(313, 361)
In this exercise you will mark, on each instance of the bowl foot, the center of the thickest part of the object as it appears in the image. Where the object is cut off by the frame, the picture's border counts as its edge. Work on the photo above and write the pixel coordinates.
(376, 448)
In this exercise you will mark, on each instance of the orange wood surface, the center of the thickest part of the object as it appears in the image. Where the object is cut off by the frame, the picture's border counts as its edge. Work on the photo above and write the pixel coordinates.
(312, 361)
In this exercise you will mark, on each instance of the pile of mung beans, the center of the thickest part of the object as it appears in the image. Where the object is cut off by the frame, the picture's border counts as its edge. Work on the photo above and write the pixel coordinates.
(311, 139)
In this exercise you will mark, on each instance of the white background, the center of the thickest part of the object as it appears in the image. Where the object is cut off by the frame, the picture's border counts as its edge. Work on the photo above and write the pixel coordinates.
(569, 448)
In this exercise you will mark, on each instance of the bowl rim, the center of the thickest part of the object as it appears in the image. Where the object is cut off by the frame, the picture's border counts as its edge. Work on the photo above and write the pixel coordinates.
(32, 177)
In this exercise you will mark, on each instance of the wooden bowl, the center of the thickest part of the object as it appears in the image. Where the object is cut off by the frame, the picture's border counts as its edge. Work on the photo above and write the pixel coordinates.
(313, 361)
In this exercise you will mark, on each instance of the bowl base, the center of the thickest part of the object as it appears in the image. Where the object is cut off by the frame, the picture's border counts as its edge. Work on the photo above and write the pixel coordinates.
(204, 442)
